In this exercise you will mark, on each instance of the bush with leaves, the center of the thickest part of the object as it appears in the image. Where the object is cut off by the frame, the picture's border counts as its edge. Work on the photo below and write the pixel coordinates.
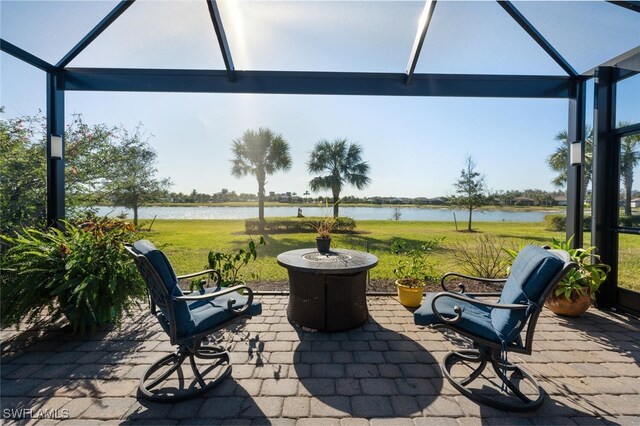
(413, 268)
(292, 225)
(483, 256)
(81, 272)
(89, 179)
(226, 266)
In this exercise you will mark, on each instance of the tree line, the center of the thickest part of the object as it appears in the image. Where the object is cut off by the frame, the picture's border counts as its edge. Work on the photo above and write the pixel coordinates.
(112, 165)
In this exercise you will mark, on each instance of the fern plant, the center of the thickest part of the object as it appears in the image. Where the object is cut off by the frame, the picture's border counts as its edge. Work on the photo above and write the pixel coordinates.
(81, 272)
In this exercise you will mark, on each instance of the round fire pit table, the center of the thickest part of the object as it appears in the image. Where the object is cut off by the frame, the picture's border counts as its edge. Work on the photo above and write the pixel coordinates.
(327, 291)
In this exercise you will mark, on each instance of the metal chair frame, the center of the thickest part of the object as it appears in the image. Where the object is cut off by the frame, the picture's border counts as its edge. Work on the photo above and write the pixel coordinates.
(489, 352)
(191, 346)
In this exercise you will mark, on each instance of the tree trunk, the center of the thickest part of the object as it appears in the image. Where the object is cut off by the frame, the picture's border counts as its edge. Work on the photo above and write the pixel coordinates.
(261, 206)
(470, 214)
(135, 216)
(336, 197)
(628, 191)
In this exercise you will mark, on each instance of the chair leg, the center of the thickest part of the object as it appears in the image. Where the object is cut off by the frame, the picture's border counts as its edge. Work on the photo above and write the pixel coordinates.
(150, 383)
(521, 402)
(528, 403)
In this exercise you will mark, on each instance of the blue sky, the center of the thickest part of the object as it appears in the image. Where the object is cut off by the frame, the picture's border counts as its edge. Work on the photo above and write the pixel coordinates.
(415, 146)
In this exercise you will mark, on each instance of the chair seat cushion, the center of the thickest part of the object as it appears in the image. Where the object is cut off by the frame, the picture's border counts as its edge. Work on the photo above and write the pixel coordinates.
(211, 314)
(475, 319)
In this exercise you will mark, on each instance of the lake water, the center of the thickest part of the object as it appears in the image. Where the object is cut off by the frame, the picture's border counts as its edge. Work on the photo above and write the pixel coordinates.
(357, 213)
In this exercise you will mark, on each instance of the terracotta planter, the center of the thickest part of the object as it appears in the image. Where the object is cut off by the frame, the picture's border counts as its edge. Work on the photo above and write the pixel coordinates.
(323, 244)
(411, 297)
(574, 307)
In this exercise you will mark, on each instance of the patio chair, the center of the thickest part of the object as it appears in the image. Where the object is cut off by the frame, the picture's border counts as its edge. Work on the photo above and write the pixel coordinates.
(496, 328)
(188, 318)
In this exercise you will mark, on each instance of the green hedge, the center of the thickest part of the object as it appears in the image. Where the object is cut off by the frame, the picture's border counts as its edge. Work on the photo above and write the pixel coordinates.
(555, 222)
(558, 222)
(630, 221)
(292, 225)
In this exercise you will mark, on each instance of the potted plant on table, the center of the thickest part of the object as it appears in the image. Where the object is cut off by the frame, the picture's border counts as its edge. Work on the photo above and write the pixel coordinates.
(324, 226)
(412, 272)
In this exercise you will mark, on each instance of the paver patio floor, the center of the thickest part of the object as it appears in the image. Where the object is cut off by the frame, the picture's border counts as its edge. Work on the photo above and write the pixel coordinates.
(383, 372)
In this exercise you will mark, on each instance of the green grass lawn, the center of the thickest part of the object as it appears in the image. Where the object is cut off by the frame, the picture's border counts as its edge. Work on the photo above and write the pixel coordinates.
(187, 243)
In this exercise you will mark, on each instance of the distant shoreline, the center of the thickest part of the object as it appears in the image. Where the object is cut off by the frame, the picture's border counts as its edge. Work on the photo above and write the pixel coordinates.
(549, 209)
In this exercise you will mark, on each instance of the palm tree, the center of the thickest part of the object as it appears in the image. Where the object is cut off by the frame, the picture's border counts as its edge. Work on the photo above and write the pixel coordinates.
(260, 154)
(559, 160)
(339, 164)
(629, 159)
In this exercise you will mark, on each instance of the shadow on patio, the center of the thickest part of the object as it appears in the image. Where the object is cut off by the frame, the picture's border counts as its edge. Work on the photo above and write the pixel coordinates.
(386, 368)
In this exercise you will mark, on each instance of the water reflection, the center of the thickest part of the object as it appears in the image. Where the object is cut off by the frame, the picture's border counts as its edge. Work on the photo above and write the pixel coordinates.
(358, 213)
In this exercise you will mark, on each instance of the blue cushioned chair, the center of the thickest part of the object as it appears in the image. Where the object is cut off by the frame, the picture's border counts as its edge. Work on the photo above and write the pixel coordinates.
(188, 319)
(497, 328)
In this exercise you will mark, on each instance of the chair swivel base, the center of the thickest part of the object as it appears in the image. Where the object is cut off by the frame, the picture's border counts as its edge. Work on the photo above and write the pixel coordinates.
(515, 400)
(163, 370)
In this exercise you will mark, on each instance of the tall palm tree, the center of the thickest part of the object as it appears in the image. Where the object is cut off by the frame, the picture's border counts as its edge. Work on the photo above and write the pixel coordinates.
(260, 154)
(338, 164)
(629, 159)
(559, 160)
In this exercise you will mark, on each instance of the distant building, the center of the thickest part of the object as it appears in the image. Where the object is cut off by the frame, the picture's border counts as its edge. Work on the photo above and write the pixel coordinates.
(560, 200)
(635, 202)
(523, 201)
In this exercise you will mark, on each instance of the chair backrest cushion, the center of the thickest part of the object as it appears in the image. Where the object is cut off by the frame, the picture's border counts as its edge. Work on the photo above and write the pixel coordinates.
(531, 274)
(182, 315)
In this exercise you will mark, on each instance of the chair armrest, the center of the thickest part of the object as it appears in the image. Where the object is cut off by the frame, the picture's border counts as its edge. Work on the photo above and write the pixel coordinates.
(230, 302)
(458, 311)
(195, 274)
(469, 277)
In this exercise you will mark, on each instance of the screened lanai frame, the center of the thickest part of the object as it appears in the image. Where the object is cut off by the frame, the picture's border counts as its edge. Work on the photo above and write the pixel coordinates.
(572, 86)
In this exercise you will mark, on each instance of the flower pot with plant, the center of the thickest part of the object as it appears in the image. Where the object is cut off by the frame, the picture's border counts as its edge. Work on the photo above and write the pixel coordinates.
(572, 296)
(574, 293)
(324, 226)
(412, 272)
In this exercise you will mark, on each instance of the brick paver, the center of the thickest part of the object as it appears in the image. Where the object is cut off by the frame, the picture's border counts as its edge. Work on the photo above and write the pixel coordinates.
(384, 372)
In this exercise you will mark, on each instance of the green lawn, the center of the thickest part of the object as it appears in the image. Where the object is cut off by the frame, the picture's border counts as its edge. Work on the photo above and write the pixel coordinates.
(187, 243)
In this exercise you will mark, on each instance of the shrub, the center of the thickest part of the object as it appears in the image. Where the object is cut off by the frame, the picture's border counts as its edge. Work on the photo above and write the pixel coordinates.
(413, 268)
(296, 225)
(483, 256)
(555, 222)
(81, 272)
(226, 266)
(558, 222)
(630, 221)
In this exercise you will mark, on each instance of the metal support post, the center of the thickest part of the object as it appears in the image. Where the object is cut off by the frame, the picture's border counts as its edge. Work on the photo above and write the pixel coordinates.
(55, 165)
(606, 183)
(575, 171)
